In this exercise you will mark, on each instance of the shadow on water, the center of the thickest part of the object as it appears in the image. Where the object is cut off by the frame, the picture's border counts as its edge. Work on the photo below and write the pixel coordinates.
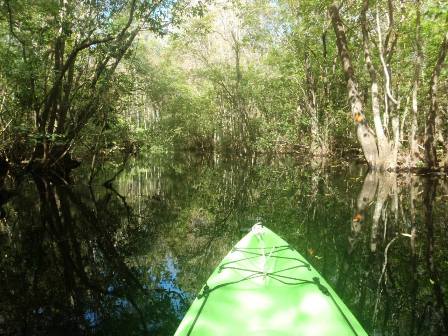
(129, 258)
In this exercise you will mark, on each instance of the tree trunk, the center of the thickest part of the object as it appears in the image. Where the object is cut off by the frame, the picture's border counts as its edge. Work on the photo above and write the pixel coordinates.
(430, 147)
(413, 144)
(365, 135)
(312, 107)
(325, 104)
(384, 146)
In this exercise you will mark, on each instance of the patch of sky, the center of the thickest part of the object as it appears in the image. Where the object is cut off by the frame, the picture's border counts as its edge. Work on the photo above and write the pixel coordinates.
(123, 303)
(178, 297)
(91, 318)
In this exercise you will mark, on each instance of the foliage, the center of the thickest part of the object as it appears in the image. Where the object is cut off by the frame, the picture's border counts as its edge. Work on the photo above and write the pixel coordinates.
(61, 70)
(228, 76)
(265, 76)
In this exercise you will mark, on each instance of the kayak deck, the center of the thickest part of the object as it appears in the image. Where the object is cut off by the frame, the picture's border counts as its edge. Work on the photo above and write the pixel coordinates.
(265, 287)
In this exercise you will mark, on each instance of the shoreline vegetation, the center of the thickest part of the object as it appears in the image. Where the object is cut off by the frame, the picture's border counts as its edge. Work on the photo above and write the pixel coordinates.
(81, 82)
(138, 139)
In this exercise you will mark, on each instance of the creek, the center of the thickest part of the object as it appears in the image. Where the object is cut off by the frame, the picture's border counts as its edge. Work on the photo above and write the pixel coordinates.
(128, 258)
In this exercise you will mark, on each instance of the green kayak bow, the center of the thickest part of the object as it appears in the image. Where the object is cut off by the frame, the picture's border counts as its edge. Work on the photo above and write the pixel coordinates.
(264, 287)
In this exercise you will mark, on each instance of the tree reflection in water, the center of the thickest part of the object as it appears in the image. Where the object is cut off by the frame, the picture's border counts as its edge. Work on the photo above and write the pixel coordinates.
(402, 223)
(66, 266)
(129, 258)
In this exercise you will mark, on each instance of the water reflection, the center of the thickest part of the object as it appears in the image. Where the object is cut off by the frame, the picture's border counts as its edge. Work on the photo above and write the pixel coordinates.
(402, 234)
(127, 259)
(69, 265)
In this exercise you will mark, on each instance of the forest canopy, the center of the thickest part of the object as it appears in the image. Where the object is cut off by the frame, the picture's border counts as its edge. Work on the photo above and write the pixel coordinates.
(343, 78)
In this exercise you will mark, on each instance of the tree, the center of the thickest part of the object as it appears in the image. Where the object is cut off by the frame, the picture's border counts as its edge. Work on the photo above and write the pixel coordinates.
(59, 63)
(366, 137)
(388, 66)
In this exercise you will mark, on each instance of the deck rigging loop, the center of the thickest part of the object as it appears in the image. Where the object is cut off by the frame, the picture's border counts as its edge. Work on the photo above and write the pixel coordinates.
(205, 295)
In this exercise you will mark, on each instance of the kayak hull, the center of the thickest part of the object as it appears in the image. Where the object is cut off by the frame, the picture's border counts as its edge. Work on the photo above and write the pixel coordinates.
(265, 287)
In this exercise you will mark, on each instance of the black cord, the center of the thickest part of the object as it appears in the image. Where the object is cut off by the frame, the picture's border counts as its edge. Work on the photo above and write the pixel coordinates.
(205, 293)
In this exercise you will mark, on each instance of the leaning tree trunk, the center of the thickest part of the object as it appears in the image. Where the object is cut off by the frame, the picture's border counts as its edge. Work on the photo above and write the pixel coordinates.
(364, 133)
(430, 147)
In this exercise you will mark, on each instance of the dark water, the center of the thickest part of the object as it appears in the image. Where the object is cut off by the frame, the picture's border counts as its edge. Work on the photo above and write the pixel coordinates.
(127, 259)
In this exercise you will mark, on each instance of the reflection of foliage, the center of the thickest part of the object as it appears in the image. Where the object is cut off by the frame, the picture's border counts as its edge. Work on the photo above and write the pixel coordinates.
(127, 258)
(213, 202)
(66, 265)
